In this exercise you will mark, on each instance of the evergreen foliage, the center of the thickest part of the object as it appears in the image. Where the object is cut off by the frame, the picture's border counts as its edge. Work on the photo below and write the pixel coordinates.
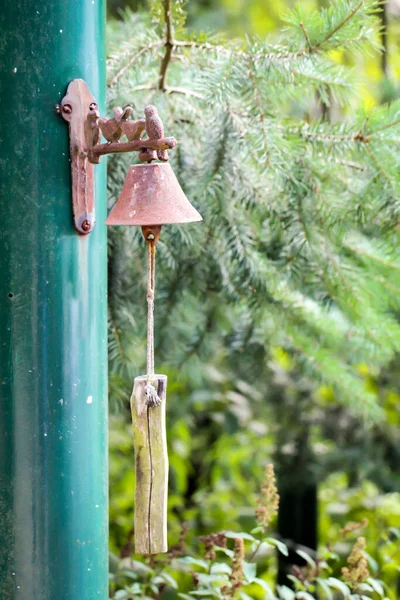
(298, 249)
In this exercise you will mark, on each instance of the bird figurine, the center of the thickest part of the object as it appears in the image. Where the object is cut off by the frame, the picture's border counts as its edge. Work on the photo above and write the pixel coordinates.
(125, 113)
(110, 128)
(155, 129)
(133, 129)
(92, 130)
(147, 155)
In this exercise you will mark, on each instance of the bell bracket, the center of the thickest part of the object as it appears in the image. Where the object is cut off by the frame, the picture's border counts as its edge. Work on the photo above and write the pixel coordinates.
(79, 108)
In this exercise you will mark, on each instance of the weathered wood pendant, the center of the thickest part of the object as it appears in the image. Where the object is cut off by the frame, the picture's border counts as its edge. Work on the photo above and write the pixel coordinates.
(151, 466)
(151, 197)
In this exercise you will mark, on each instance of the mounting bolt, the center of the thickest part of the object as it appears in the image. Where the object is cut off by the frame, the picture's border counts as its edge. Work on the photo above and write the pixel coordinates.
(86, 225)
(67, 108)
(150, 236)
(92, 106)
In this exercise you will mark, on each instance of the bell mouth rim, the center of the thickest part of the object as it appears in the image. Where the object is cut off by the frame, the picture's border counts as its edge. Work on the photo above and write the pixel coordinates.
(152, 164)
(127, 222)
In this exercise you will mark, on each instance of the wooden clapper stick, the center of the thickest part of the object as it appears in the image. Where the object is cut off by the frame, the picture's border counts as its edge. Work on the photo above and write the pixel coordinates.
(150, 442)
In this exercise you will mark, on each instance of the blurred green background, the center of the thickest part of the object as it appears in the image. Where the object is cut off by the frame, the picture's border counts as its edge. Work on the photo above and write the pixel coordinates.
(332, 466)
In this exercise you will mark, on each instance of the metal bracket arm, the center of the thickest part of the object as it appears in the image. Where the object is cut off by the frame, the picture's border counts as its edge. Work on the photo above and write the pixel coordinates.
(79, 108)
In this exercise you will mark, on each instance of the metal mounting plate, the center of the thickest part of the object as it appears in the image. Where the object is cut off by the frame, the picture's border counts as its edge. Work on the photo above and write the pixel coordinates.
(75, 107)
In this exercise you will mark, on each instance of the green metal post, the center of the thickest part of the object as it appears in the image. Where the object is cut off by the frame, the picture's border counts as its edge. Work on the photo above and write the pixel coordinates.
(53, 339)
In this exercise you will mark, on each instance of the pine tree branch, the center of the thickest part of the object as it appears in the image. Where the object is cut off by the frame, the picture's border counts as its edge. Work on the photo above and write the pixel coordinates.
(144, 86)
(382, 261)
(258, 100)
(380, 166)
(323, 305)
(336, 380)
(200, 45)
(169, 45)
(196, 345)
(324, 81)
(167, 90)
(133, 59)
(117, 338)
(304, 30)
(386, 126)
(386, 140)
(347, 285)
(302, 221)
(347, 163)
(245, 55)
(343, 23)
(328, 137)
(183, 91)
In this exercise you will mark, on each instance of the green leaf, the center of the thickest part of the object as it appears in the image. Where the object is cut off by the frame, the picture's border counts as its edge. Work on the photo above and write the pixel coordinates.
(249, 571)
(336, 584)
(295, 580)
(364, 587)
(329, 555)
(327, 591)
(371, 562)
(242, 535)
(154, 587)
(121, 595)
(221, 568)
(245, 596)
(395, 532)
(113, 562)
(283, 549)
(265, 587)
(257, 530)
(208, 579)
(142, 568)
(167, 578)
(190, 560)
(135, 588)
(377, 586)
(226, 551)
(205, 593)
(285, 593)
(307, 558)
(323, 565)
(128, 573)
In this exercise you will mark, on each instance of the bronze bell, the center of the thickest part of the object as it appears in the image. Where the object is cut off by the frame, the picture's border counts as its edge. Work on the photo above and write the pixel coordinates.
(152, 196)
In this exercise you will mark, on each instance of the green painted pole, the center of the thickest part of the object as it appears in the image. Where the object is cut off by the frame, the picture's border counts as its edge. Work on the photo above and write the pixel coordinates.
(53, 338)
